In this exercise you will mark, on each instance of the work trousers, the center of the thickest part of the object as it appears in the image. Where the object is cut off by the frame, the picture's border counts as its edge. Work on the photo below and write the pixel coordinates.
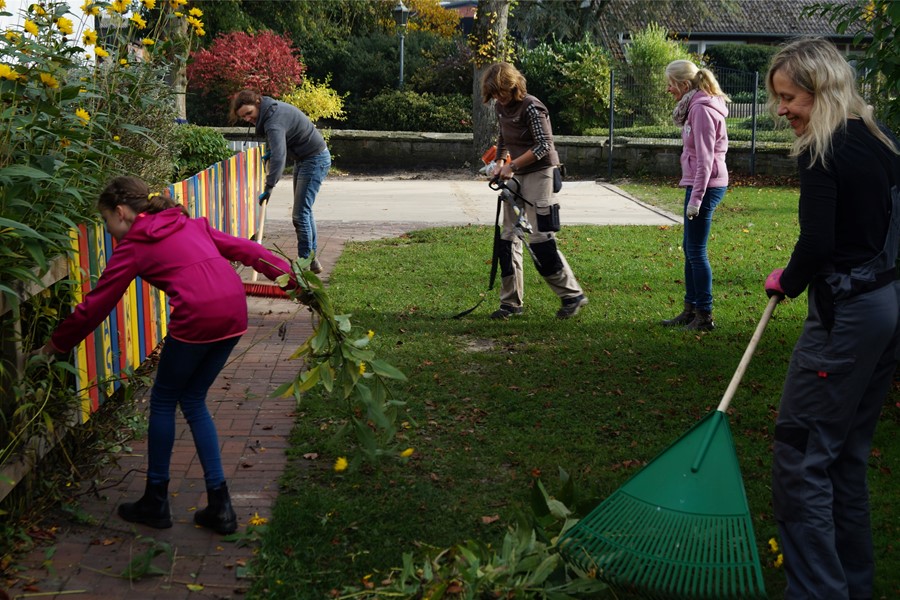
(537, 189)
(836, 384)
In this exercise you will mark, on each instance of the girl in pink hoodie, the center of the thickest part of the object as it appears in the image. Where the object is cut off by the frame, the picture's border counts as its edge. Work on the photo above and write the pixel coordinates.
(700, 112)
(189, 261)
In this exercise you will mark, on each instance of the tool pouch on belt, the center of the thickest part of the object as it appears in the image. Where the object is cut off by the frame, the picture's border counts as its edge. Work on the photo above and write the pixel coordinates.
(548, 218)
(557, 179)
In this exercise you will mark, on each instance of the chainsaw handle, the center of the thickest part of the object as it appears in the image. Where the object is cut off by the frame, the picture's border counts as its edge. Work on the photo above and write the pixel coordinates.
(748, 353)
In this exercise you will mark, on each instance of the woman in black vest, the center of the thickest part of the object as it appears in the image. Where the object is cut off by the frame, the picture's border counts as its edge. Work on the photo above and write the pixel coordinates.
(525, 151)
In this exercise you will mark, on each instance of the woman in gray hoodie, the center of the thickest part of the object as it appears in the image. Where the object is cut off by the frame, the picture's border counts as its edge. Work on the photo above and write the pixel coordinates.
(289, 132)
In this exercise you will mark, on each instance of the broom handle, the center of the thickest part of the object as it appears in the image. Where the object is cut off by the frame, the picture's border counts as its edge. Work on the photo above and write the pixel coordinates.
(259, 237)
(748, 354)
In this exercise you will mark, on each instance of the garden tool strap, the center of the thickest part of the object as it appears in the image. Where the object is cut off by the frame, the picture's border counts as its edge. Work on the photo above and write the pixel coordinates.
(495, 259)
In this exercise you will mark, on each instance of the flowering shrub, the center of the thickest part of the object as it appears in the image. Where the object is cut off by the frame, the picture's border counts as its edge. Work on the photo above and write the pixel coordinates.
(77, 107)
(265, 62)
(317, 100)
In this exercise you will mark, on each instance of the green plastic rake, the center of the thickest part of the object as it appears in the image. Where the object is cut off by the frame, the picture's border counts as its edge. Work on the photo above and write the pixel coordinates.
(680, 527)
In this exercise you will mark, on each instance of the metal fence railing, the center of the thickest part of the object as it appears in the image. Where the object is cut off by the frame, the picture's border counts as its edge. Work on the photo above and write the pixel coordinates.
(640, 110)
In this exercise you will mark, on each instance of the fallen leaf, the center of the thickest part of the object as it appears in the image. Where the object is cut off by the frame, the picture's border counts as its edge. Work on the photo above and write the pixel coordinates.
(195, 587)
(490, 519)
(311, 455)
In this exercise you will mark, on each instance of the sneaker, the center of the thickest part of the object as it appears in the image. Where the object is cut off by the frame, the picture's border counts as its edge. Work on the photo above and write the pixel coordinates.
(506, 311)
(315, 266)
(571, 306)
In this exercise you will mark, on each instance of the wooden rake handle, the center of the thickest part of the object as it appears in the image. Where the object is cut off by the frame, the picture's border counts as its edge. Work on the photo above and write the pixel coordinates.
(748, 353)
(259, 234)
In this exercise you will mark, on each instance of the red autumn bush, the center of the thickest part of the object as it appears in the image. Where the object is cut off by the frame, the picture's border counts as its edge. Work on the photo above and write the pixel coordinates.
(265, 62)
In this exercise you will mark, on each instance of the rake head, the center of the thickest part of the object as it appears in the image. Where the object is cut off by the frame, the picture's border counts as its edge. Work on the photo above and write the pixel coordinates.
(678, 529)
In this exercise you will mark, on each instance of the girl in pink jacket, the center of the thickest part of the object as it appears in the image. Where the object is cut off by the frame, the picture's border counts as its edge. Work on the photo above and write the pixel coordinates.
(190, 262)
(700, 112)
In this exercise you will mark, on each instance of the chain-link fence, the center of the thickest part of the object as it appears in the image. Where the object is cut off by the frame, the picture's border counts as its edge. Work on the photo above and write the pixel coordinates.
(641, 112)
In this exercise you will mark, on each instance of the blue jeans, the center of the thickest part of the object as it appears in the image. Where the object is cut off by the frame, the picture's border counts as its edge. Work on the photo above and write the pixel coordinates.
(697, 272)
(308, 177)
(183, 377)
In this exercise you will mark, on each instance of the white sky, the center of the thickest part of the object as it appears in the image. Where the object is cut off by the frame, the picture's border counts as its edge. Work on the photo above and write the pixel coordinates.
(15, 6)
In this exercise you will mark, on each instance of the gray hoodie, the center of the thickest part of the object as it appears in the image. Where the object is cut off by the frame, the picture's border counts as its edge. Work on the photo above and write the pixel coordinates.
(288, 132)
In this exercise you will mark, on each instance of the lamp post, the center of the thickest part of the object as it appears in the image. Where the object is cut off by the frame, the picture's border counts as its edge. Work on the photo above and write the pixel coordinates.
(401, 17)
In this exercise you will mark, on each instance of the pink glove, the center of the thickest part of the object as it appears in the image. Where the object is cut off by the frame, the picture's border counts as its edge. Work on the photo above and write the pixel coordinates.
(773, 283)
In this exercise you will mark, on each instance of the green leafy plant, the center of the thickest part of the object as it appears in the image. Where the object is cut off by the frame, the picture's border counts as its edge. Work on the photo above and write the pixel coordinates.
(527, 563)
(394, 110)
(196, 148)
(142, 566)
(880, 63)
(339, 360)
(648, 54)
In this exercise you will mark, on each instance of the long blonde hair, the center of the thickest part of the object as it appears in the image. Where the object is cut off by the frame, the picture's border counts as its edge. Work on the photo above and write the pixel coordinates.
(684, 71)
(816, 66)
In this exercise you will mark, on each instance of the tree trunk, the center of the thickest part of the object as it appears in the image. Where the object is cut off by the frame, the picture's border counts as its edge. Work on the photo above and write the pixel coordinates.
(490, 45)
(179, 74)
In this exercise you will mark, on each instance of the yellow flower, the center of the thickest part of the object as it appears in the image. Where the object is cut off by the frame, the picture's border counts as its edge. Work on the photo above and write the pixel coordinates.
(149, 4)
(64, 143)
(49, 80)
(178, 14)
(119, 6)
(773, 545)
(31, 27)
(256, 520)
(779, 561)
(116, 138)
(139, 21)
(38, 10)
(407, 453)
(371, 334)
(362, 368)
(65, 25)
(177, 3)
(12, 36)
(123, 62)
(195, 12)
(100, 52)
(147, 42)
(89, 8)
(2, 4)
(83, 115)
(7, 72)
(89, 37)
(340, 464)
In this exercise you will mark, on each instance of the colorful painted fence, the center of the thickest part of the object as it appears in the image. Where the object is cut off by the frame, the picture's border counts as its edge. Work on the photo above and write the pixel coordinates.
(225, 194)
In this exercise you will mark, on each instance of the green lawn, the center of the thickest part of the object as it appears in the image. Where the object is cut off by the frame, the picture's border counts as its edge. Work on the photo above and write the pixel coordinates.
(492, 405)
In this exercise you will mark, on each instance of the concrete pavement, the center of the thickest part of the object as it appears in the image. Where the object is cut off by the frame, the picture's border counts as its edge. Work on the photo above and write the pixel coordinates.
(426, 202)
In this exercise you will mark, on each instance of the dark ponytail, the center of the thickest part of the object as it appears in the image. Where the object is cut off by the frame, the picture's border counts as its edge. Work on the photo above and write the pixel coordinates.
(135, 194)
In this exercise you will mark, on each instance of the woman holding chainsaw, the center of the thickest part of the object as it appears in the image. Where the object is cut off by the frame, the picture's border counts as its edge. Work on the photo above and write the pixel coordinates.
(700, 111)
(528, 162)
(190, 262)
(842, 366)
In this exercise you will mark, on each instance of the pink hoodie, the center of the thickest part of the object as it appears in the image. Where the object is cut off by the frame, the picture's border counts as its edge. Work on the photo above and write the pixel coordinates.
(189, 261)
(705, 144)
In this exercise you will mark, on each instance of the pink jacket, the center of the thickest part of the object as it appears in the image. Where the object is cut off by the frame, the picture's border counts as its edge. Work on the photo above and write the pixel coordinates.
(705, 144)
(189, 261)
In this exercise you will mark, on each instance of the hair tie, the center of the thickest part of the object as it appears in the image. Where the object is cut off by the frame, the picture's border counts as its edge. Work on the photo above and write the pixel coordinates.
(153, 195)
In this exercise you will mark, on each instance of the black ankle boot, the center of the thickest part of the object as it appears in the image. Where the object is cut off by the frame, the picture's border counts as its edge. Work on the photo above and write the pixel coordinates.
(686, 316)
(152, 509)
(219, 515)
(703, 321)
